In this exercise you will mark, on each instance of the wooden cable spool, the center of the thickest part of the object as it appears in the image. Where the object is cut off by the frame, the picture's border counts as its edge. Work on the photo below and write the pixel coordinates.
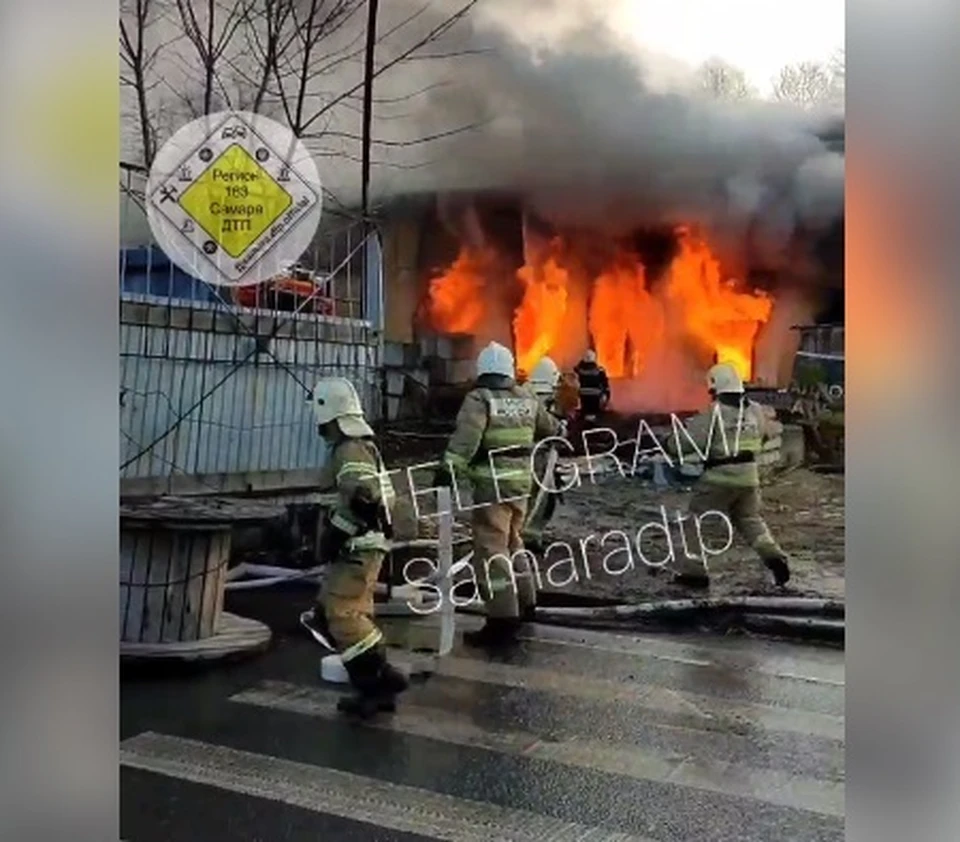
(173, 563)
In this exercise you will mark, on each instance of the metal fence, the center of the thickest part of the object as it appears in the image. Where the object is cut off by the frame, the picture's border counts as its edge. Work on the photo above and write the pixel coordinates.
(214, 384)
(825, 340)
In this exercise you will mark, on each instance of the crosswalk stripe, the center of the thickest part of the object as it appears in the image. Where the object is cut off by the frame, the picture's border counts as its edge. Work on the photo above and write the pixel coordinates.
(772, 786)
(828, 670)
(388, 805)
(699, 710)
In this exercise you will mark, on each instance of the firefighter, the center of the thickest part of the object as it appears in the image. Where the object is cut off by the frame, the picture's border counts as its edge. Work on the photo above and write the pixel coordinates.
(567, 397)
(544, 382)
(730, 482)
(594, 386)
(491, 447)
(354, 544)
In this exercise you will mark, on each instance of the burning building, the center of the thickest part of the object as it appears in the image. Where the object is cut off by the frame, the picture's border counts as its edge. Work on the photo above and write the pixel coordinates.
(657, 304)
(597, 205)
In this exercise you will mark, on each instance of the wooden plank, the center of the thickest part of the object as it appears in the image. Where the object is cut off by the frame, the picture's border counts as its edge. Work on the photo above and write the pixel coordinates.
(196, 618)
(156, 562)
(235, 636)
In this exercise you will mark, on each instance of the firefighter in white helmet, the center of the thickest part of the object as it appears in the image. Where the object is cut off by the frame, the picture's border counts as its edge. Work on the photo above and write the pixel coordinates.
(544, 381)
(730, 482)
(491, 448)
(354, 544)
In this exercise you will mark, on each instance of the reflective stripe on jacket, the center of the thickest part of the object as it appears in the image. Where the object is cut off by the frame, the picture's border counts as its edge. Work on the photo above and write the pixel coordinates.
(355, 466)
(492, 445)
(728, 437)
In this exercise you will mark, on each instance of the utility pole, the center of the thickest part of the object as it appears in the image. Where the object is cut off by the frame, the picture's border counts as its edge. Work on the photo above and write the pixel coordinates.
(372, 9)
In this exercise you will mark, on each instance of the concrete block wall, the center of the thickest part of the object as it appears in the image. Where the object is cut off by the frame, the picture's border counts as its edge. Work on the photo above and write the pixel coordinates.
(413, 369)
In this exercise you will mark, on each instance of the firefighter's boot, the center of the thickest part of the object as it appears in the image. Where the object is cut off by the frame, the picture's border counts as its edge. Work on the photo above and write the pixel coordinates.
(392, 684)
(376, 683)
(778, 566)
(497, 633)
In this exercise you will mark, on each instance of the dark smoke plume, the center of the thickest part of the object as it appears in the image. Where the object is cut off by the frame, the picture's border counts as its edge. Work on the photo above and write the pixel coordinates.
(593, 131)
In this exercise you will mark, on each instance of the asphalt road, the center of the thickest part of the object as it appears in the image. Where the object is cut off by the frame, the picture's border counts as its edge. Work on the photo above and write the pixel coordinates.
(577, 735)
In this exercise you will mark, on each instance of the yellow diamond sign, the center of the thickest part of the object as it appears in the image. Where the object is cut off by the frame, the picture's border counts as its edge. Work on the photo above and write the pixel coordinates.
(235, 200)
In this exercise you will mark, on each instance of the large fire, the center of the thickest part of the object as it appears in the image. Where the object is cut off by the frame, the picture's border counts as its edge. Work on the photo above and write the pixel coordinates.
(632, 321)
(625, 320)
(538, 321)
(456, 301)
(716, 310)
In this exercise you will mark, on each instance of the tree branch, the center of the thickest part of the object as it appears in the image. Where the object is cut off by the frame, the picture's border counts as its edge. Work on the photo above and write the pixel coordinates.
(434, 33)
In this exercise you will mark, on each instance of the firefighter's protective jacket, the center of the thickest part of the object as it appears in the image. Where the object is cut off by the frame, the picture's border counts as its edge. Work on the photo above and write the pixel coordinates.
(730, 435)
(593, 379)
(497, 427)
(357, 474)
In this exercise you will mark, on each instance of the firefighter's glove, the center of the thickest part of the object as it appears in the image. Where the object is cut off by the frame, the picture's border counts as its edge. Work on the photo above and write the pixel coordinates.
(366, 508)
(370, 512)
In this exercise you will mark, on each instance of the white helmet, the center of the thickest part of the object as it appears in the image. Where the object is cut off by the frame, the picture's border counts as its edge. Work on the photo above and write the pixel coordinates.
(495, 359)
(590, 356)
(335, 399)
(545, 376)
(724, 380)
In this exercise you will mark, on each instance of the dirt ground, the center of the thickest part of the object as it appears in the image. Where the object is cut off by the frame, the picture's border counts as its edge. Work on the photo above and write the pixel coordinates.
(804, 510)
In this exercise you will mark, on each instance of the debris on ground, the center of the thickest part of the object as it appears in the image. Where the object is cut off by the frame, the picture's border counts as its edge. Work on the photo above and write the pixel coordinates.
(803, 508)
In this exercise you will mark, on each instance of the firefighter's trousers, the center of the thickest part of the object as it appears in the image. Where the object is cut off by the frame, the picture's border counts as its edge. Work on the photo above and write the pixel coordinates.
(741, 505)
(347, 600)
(501, 567)
(590, 404)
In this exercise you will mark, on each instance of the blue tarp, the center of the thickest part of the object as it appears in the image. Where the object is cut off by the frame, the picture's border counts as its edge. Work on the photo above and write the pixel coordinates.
(147, 270)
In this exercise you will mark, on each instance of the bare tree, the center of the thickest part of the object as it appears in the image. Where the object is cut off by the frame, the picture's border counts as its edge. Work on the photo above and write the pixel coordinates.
(838, 68)
(138, 57)
(304, 63)
(209, 26)
(300, 70)
(721, 80)
(807, 84)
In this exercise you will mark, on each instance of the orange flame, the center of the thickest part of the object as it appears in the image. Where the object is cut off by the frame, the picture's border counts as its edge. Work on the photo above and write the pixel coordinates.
(626, 322)
(539, 318)
(718, 314)
(456, 300)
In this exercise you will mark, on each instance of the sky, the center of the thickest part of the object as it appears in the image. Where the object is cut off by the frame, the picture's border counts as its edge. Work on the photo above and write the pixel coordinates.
(759, 36)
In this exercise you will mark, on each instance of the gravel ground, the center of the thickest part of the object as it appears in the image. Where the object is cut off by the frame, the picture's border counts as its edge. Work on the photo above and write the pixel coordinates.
(804, 510)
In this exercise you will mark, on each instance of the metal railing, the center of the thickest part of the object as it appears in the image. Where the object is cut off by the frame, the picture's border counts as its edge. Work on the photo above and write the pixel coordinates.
(214, 381)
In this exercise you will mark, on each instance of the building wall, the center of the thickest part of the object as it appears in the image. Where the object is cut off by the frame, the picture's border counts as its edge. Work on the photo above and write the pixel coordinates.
(401, 275)
(202, 410)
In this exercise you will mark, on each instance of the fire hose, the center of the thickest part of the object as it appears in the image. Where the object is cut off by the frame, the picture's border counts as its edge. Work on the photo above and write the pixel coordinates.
(803, 618)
